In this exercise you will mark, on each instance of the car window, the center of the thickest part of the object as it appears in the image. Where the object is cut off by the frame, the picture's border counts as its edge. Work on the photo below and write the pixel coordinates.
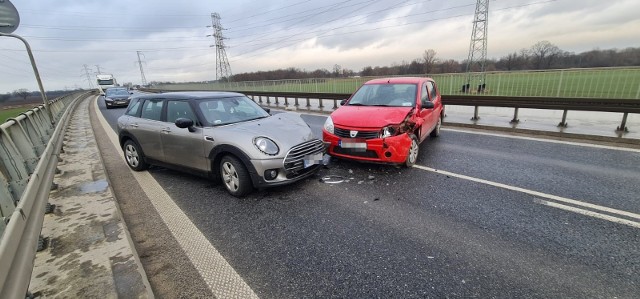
(425, 93)
(179, 109)
(221, 111)
(117, 92)
(431, 89)
(394, 95)
(133, 108)
(152, 109)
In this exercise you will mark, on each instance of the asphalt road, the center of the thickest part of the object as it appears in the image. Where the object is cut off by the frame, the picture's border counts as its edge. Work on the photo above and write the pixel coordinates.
(481, 216)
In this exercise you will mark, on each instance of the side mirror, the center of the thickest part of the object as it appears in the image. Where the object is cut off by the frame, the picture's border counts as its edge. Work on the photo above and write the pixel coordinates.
(266, 109)
(427, 105)
(343, 102)
(185, 123)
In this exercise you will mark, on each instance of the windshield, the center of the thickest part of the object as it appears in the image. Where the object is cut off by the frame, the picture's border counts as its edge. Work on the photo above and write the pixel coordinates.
(105, 82)
(222, 111)
(117, 92)
(393, 95)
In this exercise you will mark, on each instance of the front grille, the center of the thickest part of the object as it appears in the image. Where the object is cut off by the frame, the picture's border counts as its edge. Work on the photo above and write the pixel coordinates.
(355, 152)
(294, 161)
(361, 134)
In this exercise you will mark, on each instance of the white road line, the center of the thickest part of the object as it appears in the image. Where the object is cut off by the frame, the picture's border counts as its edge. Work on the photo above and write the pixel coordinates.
(625, 149)
(222, 279)
(588, 213)
(540, 194)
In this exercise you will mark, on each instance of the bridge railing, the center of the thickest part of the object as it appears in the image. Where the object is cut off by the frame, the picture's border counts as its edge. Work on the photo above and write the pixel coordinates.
(606, 82)
(29, 147)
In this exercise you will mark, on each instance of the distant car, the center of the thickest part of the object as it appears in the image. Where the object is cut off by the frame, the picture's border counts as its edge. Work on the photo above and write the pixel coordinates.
(116, 97)
(385, 121)
(222, 135)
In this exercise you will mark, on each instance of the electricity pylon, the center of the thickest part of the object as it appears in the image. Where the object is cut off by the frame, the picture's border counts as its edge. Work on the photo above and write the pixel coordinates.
(223, 69)
(478, 49)
(144, 80)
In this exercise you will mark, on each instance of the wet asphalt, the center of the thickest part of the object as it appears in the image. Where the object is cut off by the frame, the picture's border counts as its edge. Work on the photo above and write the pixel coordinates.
(408, 233)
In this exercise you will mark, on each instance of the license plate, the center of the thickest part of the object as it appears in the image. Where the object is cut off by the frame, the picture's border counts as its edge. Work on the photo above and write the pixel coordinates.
(310, 160)
(354, 144)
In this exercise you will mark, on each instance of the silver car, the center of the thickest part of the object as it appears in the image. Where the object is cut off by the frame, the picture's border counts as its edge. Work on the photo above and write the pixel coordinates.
(222, 135)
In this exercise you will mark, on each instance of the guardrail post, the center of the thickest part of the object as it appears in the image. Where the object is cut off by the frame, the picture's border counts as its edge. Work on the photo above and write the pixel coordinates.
(260, 99)
(277, 103)
(286, 101)
(268, 100)
(320, 104)
(475, 114)
(308, 103)
(297, 104)
(335, 104)
(515, 119)
(563, 123)
(623, 125)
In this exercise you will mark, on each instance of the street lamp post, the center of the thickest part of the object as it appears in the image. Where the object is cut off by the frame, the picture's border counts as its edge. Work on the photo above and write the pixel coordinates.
(9, 21)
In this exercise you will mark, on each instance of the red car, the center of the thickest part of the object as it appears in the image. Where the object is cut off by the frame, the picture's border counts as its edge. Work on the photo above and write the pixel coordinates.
(385, 121)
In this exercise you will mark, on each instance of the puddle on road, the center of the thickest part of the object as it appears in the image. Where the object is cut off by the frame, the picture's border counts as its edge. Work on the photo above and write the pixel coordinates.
(97, 186)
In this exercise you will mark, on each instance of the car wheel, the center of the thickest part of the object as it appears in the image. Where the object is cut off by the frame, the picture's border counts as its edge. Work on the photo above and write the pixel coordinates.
(436, 130)
(412, 155)
(235, 176)
(134, 156)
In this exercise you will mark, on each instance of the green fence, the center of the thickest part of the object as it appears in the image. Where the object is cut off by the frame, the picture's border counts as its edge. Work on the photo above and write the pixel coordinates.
(611, 83)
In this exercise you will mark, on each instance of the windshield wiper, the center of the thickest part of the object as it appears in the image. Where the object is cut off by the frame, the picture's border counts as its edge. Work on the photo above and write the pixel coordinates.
(356, 104)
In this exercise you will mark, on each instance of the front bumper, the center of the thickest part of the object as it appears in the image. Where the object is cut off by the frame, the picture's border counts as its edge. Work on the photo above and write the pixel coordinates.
(283, 177)
(117, 103)
(392, 149)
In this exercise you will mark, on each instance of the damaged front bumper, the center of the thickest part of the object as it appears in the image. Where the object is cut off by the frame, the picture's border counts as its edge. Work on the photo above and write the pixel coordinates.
(392, 149)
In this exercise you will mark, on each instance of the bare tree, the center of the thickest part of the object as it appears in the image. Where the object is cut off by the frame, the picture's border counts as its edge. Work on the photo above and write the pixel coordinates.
(430, 60)
(22, 92)
(544, 54)
(337, 70)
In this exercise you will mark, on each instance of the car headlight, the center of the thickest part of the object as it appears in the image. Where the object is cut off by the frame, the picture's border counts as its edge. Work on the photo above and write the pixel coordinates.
(108, 99)
(328, 125)
(266, 145)
(388, 131)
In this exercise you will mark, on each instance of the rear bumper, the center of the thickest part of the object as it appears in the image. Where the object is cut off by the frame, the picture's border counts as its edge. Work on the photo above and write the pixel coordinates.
(388, 150)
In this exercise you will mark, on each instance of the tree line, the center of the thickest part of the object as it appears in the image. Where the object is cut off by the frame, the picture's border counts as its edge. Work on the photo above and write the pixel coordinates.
(540, 56)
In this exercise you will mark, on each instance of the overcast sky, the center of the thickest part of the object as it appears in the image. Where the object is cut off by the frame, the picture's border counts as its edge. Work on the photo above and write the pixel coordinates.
(264, 35)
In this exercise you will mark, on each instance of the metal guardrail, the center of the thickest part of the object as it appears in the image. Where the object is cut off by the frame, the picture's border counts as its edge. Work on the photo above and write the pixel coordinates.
(29, 145)
(624, 106)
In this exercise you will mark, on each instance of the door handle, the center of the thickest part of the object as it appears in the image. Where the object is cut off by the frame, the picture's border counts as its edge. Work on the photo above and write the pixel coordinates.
(166, 130)
(208, 138)
(134, 125)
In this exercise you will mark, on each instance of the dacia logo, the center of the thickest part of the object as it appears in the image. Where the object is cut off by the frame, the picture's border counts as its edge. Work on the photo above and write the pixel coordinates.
(353, 134)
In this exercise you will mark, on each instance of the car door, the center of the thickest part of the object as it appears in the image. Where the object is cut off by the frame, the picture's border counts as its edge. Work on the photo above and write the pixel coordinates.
(147, 129)
(426, 115)
(183, 146)
(434, 97)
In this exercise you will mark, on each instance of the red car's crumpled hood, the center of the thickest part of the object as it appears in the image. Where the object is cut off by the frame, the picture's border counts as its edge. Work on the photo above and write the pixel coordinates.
(368, 117)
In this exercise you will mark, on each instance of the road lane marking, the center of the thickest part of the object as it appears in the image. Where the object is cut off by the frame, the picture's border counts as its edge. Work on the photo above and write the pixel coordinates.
(587, 213)
(222, 279)
(625, 149)
(548, 196)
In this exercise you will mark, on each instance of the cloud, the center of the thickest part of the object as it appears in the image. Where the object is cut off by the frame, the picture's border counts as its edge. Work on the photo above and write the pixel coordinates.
(306, 34)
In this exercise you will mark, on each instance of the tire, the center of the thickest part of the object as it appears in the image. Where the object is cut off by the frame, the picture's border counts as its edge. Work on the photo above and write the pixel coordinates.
(235, 176)
(436, 130)
(133, 156)
(412, 155)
